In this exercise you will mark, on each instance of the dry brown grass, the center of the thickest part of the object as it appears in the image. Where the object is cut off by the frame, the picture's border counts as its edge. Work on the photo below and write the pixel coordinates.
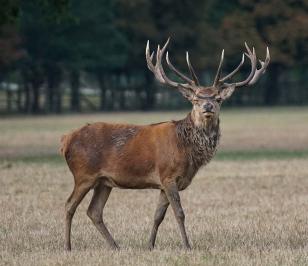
(252, 213)
(242, 129)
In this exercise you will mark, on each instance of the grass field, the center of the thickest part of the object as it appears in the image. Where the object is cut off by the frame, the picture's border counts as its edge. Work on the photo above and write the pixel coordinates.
(247, 207)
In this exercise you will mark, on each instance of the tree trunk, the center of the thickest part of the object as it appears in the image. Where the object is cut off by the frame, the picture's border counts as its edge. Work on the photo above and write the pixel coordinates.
(26, 91)
(103, 90)
(149, 102)
(35, 106)
(58, 100)
(112, 103)
(75, 90)
(271, 93)
(19, 98)
(36, 81)
(122, 99)
(50, 94)
(9, 100)
(28, 101)
(53, 91)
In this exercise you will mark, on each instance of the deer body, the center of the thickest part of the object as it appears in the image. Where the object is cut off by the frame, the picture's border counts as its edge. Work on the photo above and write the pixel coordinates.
(137, 157)
(164, 156)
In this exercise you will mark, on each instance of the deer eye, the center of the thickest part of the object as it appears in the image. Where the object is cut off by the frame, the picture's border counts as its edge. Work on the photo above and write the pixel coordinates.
(219, 99)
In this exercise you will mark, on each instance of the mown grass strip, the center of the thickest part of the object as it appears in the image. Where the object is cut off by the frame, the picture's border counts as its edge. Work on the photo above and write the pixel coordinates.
(221, 155)
(35, 158)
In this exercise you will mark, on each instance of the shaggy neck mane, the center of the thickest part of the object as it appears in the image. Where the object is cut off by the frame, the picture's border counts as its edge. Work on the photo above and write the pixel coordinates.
(200, 143)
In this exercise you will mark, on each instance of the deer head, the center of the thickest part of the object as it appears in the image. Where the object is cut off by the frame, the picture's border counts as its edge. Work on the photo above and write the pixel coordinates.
(206, 100)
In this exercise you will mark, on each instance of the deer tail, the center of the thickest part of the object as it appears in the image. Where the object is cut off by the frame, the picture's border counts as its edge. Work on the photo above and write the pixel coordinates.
(65, 141)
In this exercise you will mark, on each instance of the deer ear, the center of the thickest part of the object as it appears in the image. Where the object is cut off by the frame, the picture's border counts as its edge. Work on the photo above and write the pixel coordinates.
(187, 93)
(227, 92)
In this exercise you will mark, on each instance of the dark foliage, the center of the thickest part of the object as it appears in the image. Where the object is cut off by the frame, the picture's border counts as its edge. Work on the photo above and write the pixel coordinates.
(89, 55)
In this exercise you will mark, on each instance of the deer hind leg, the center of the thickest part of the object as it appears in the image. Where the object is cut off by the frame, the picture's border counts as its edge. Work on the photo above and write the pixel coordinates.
(173, 196)
(159, 216)
(71, 205)
(95, 212)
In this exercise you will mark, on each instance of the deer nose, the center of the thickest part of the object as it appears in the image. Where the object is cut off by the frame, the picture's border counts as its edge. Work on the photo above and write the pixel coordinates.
(208, 107)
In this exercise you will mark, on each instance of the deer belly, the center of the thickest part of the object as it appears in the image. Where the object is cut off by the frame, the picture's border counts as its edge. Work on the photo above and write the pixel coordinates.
(130, 182)
(133, 177)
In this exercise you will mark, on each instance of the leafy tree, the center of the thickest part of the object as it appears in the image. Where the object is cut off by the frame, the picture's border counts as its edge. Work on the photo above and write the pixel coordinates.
(279, 24)
(50, 41)
(53, 9)
(9, 11)
(96, 43)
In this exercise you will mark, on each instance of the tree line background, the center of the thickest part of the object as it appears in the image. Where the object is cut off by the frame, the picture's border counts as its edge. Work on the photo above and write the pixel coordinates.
(71, 55)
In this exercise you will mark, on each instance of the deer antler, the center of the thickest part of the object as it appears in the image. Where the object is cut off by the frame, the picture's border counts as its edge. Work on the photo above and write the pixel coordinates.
(160, 74)
(261, 71)
(191, 70)
(193, 82)
(254, 75)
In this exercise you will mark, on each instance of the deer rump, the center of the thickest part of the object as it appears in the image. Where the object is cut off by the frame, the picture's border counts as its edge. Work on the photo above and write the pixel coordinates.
(125, 156)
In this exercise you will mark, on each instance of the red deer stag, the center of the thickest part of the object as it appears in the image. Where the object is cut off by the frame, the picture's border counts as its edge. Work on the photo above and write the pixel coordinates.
(164, 156)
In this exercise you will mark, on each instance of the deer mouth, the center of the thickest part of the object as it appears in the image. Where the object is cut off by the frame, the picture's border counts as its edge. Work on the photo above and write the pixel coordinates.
(208, 114)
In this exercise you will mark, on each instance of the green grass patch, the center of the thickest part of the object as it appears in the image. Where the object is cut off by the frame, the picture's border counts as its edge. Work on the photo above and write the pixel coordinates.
(261, 155)
(221, 155)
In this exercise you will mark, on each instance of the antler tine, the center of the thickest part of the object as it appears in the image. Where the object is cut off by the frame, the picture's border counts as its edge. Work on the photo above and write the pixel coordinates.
(157, 53)
(149, 57)
(160, 53)
(157, 69)
(191, 69)
(253, 60)
(247, 48)
(218, 73)
(171, 66)
(230, 75)
(261, 71)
